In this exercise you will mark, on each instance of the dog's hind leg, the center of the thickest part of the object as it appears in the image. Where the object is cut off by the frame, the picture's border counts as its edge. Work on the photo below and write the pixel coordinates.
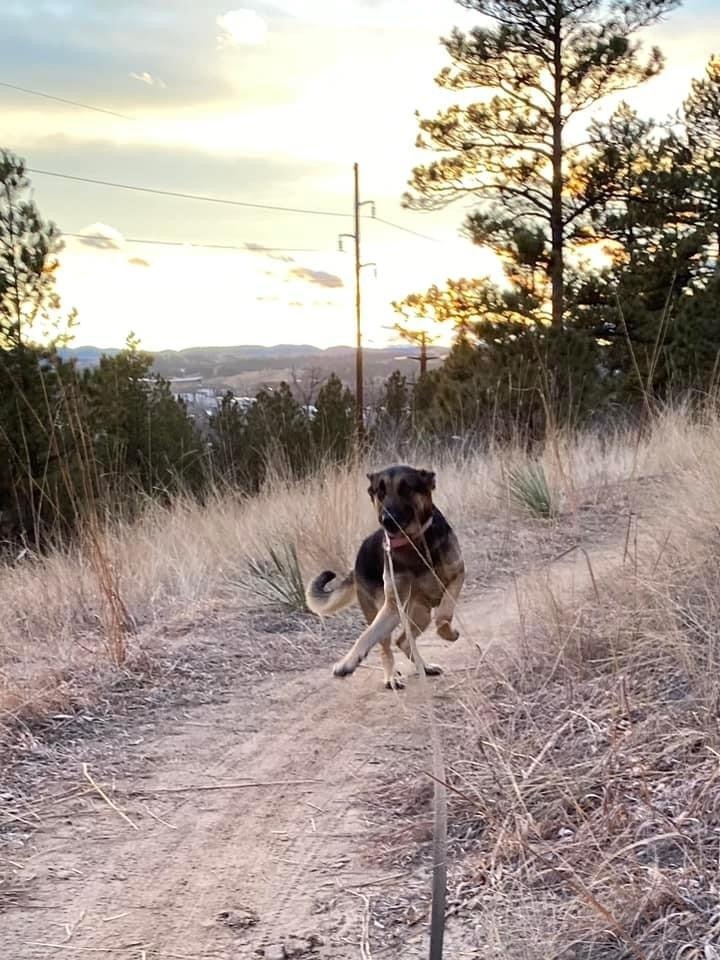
(446, 610)
(418, 617)
(380, 629)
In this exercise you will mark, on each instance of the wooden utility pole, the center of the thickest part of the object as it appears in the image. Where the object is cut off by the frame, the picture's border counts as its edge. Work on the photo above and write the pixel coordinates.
(423, 353)
(423, 339)
(359, 375)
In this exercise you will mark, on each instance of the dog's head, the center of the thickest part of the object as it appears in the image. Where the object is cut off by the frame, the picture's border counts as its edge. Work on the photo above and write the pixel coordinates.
(402, 497)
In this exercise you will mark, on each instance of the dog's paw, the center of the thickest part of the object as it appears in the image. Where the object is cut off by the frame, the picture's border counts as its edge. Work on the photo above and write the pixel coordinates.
(446, 631)
(433, 670)
(342, 669)
(397, 683)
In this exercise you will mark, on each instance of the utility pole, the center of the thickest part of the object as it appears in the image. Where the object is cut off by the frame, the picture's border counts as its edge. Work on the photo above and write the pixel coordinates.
(359, 393)
(423, 358)
(423, 340)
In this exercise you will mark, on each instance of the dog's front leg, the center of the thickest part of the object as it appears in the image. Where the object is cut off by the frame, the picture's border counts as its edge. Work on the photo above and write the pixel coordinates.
(446, 609)
(380, 629)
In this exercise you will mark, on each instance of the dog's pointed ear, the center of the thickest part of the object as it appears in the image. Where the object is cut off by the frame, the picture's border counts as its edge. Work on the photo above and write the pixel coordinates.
(372, 477)
(427, 478)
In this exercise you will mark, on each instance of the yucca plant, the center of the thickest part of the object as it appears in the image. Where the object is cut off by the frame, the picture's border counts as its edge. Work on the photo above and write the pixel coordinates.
(278, 579)
(529, 488)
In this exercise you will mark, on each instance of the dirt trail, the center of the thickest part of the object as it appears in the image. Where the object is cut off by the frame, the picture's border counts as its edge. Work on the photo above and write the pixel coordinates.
(213, 870)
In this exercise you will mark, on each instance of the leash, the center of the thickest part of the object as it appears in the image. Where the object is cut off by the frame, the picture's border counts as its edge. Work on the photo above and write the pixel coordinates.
(439, 874)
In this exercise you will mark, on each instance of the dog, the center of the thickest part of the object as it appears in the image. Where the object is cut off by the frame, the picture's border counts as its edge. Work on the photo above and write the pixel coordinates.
(418, 545)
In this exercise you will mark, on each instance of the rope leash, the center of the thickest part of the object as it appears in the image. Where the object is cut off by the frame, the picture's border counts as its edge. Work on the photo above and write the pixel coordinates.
(439, 876)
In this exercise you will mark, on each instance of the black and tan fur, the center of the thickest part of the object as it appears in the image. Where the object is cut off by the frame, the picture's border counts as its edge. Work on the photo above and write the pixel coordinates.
(427, 565)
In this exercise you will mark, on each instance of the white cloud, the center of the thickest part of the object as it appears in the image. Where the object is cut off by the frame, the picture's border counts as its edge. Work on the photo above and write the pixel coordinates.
(241, 28)
(149, 79)
(320, 277)
(102, 236)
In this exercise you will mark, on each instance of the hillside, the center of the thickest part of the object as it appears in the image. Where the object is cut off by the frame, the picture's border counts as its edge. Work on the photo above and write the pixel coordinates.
(245, 368)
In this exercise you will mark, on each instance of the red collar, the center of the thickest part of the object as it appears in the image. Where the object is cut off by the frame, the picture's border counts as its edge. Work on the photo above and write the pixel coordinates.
(399, 540)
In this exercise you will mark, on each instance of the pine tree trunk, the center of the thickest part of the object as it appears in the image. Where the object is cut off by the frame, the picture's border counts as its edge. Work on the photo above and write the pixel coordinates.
(557, 260)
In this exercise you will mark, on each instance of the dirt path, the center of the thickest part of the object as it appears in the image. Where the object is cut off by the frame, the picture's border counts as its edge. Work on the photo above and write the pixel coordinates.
(247, 825)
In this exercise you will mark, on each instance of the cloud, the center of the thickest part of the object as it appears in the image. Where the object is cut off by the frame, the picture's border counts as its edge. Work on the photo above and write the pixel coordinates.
(149, 79)
(320, 277)
(102, 236)
(241, 28)
(259, 248)
(139, 262)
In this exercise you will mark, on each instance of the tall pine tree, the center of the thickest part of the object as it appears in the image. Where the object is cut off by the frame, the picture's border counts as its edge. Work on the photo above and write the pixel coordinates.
(646, 218)
(702, 126)
(518, 153)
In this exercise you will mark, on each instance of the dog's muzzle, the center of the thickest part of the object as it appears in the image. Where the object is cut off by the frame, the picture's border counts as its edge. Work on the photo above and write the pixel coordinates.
(399, 538)
(389, 522)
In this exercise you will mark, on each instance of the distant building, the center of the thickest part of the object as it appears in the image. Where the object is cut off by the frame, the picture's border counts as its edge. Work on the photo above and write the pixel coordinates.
(197, 399)
(244, 403)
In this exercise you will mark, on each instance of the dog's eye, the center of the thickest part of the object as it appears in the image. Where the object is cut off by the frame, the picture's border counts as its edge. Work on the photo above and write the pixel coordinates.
(403, 489)
(380, 490)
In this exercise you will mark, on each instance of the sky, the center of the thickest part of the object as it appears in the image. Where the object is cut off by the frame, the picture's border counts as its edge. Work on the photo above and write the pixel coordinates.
(269, 102)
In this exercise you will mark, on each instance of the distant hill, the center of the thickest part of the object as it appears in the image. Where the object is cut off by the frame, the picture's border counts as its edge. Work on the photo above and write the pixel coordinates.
(86, 356)
(247, 367)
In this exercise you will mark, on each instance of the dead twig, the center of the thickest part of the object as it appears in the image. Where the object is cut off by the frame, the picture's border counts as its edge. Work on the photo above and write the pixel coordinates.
(98, 789)
(193, 787)
(365, 953)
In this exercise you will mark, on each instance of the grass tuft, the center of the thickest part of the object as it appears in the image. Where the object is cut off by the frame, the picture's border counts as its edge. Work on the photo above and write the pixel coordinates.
(279, 580)
(529, 489)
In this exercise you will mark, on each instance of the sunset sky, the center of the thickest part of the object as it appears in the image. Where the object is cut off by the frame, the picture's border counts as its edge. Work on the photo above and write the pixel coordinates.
(267, 103)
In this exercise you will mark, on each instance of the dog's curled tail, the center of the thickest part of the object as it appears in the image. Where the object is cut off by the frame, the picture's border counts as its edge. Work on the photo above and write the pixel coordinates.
(325, 602)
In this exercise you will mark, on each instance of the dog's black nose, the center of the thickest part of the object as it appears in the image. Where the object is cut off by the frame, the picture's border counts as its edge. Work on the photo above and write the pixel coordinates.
(387, 520)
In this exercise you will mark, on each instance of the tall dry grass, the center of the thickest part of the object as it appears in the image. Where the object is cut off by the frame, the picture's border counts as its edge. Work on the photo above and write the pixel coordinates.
(593, 786)
(181, 559)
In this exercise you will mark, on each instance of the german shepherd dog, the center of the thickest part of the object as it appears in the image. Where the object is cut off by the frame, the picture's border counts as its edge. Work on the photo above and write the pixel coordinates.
(427, 566)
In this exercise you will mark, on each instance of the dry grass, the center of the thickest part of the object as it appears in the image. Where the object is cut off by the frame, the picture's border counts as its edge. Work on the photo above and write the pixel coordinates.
(585, 768)
(182, 560)
(12, 891)
(584, 771)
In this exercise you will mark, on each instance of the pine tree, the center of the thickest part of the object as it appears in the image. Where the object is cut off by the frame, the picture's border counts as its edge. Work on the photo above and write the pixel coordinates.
(141, 434)
(278, 435)
(333, 424)
(464, 304)
(394, 405)
(702, 124)
(545, 62)
(228, 432)
(28, 257)
(33, 379)
(641, 304)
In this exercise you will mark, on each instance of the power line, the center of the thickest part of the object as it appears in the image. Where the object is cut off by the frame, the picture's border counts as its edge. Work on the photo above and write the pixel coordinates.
(222, 200)
(247, 247)
(187, 196)
(72, 103)
(415, 233)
